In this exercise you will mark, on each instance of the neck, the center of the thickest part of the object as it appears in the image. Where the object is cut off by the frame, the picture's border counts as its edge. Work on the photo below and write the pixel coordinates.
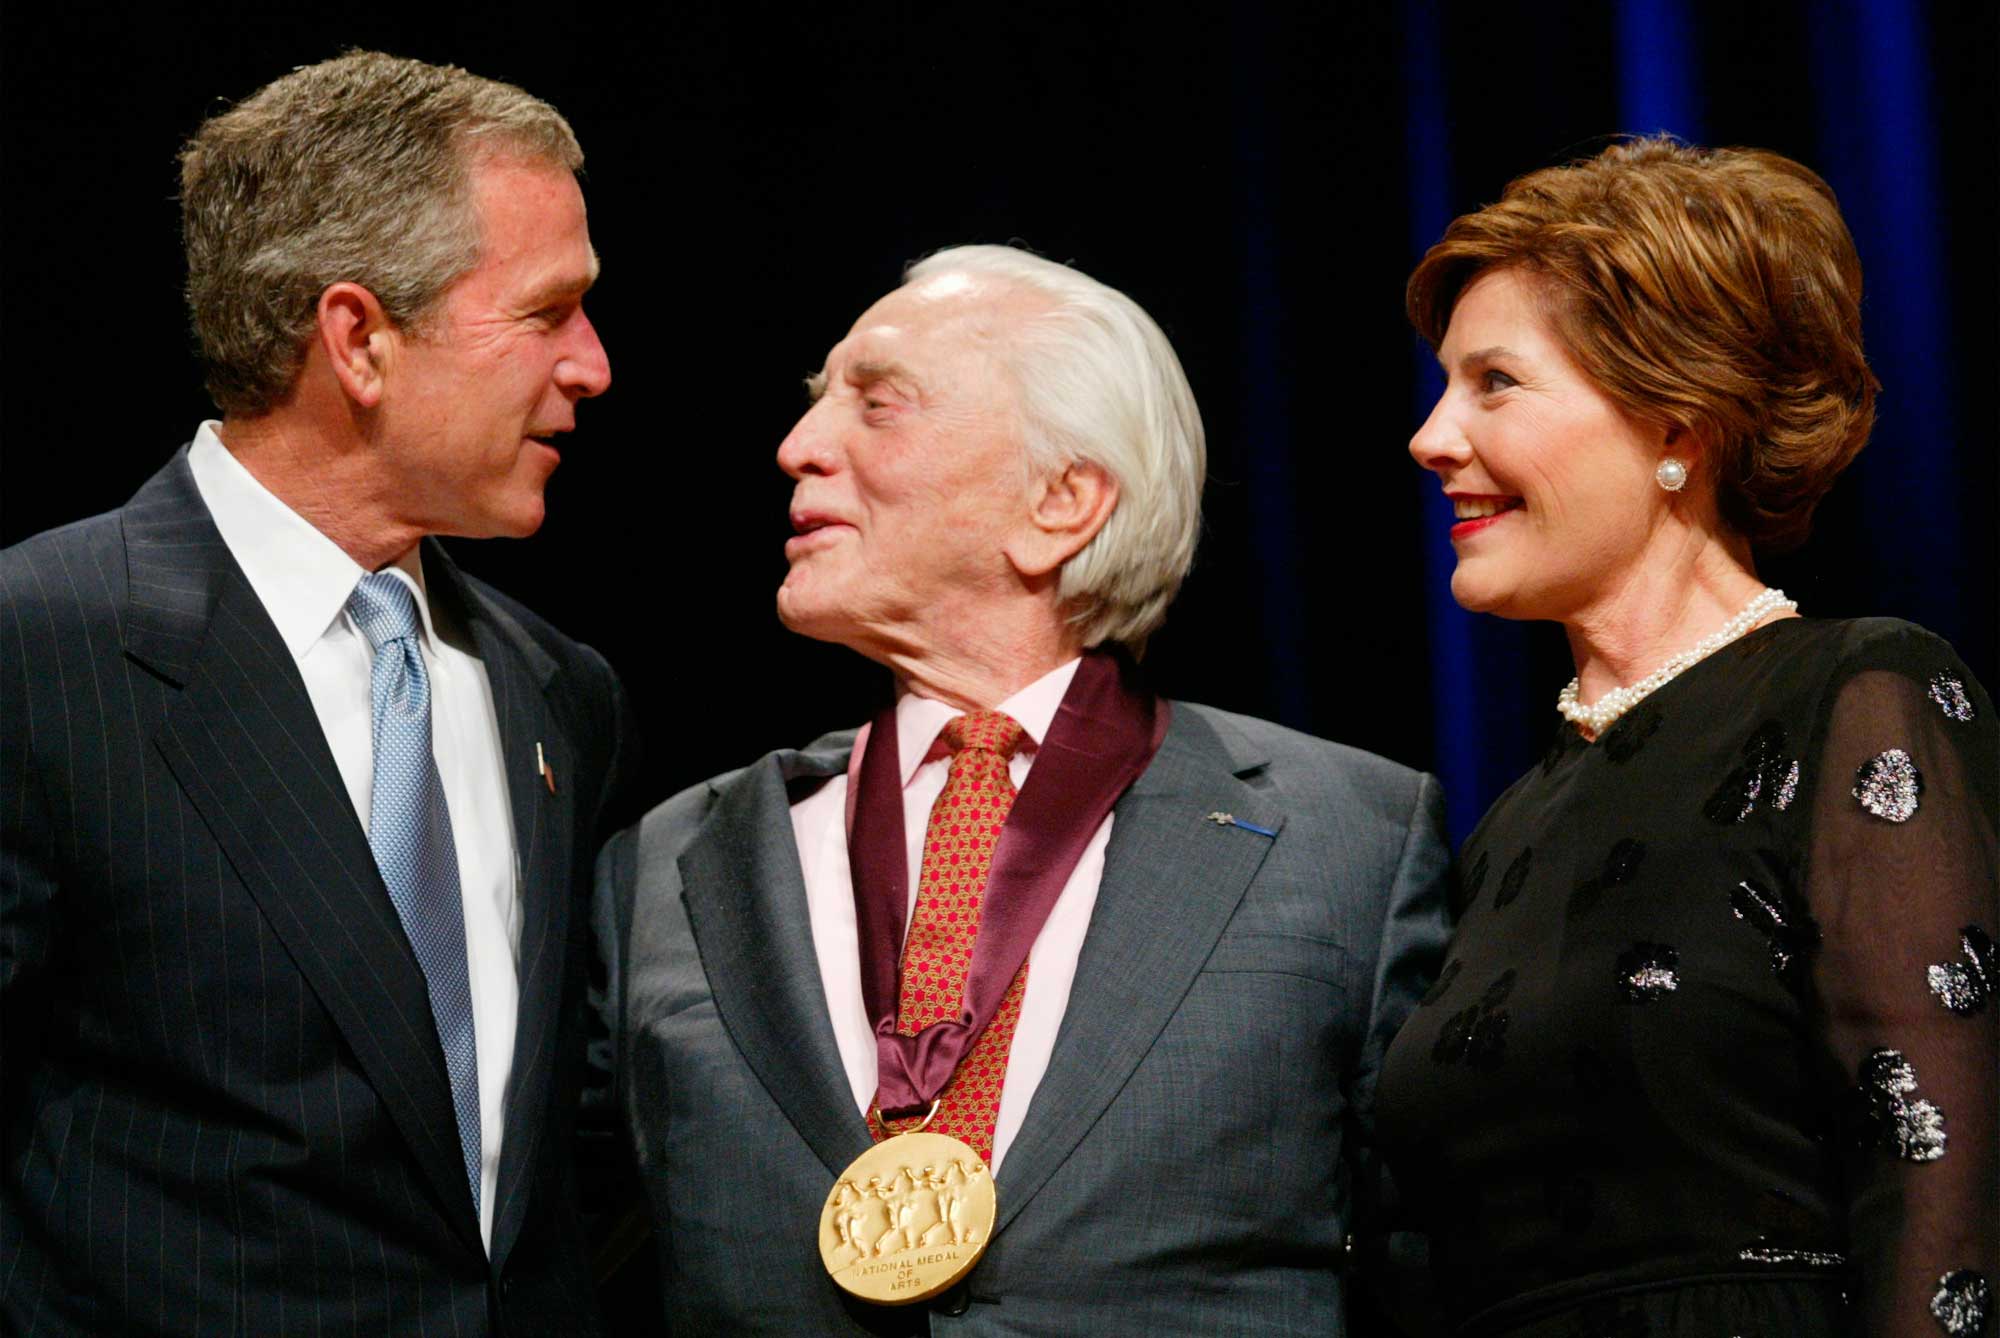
(984, 664)
(1657, 611)
(330, 478)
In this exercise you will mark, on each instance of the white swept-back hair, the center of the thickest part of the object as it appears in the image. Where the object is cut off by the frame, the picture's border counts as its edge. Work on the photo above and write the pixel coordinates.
(1099, 383)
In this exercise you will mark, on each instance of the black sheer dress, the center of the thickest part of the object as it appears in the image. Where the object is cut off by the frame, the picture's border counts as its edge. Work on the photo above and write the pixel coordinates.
(1716, 1050)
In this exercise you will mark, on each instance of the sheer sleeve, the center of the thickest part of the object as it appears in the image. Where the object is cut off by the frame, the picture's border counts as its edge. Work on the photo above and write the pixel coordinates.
(1901, 875)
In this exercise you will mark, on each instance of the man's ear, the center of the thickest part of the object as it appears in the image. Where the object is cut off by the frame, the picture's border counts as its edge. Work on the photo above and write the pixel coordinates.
(358, 340)
(1065, 512)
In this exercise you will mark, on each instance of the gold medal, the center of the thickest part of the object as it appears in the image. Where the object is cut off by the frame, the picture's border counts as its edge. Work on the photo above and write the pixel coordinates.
(907, 1218)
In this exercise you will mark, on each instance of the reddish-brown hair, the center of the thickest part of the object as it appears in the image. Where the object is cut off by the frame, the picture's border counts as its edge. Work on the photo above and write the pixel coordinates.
(1713, 290)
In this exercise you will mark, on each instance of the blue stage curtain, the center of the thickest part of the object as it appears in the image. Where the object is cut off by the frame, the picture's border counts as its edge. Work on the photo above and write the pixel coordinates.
(1878, 134)
(1264, 424)
(1484, 709)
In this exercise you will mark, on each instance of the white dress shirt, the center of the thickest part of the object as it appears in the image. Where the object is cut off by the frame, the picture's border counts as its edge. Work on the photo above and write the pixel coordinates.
(304, 579)
(820, 826)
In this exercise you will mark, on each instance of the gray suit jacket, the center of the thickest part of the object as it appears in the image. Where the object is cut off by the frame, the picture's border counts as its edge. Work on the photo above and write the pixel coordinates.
(1190, 1159)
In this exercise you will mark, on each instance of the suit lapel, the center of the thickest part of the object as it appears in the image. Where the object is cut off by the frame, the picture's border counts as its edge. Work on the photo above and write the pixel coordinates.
(523, 677)
(246, 746)
(746, 902)
(1172, 880)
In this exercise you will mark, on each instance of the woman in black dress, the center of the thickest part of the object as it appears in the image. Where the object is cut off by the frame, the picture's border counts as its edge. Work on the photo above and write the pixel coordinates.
(1715, 1050)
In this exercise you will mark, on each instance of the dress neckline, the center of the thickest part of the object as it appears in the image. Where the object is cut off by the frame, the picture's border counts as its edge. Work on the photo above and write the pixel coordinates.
(1693, 671)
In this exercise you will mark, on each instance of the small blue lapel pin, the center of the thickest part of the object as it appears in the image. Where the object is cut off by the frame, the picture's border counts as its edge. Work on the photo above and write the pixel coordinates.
(1222, 819)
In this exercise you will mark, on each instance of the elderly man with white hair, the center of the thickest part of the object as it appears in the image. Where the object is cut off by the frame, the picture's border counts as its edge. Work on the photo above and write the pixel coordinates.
(1039, 1004)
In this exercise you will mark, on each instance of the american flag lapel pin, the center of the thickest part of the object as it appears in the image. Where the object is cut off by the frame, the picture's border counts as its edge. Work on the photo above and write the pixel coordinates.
(542, 765)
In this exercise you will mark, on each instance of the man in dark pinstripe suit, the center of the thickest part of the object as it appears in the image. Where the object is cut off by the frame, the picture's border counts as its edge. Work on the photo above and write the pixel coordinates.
(226, 1107)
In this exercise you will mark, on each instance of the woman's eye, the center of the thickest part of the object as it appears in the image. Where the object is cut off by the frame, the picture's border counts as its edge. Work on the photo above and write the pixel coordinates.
(1492, 380)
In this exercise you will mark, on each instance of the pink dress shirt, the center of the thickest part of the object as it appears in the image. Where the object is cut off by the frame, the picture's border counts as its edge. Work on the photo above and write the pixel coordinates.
(819, 823)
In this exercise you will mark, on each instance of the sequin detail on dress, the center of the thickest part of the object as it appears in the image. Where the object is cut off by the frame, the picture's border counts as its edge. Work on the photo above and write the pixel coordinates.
(1648, 971)
(1516, 877)
(1622, 742)
(1619, 866)
(1963, 1303)
(1893, 1117)
(1964, 987)
(1949, 694)
(1772, 1254)
(1888, 785)
(1489, 1041)
(1475, 879)
(1784, 920)
(1766, 775)
(1788, 788)
(1477, 1035)
(1441, 984)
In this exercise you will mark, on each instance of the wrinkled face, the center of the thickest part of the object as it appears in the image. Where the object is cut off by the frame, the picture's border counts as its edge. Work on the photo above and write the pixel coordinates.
(1551, 483)
(472, 407)
(909, 471)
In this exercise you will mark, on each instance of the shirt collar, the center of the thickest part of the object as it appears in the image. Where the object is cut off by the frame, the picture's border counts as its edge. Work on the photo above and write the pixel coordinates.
(919, 720)
(302, 578)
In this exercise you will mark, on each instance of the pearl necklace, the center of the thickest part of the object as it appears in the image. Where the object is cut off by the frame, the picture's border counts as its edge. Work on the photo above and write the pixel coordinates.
(1601, 714)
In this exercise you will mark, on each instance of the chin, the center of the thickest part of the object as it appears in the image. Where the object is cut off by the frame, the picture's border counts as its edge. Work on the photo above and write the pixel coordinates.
(805, 615)
(1477, 596)
(521, 518)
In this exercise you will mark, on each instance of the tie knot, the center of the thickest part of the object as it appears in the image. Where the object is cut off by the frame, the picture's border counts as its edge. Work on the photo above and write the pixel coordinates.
(384, 608)
(987, 731)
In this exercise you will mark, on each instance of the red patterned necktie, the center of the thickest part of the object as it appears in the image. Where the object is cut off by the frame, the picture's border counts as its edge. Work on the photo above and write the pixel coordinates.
(937, 952)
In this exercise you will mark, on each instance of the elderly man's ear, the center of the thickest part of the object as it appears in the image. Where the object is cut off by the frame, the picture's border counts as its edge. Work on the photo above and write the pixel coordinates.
(358, 340)
(1065, 512)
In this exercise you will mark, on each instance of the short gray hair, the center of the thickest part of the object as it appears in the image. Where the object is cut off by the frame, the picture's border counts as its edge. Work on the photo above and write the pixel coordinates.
(1099, 383)
(358, 170)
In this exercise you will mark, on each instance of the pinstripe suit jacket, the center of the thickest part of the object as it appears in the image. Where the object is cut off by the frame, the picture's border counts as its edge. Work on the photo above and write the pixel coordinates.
(1189, 1161)
(225, 1107)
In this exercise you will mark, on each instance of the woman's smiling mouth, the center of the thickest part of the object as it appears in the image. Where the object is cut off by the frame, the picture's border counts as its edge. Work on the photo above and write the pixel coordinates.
(1476, 513)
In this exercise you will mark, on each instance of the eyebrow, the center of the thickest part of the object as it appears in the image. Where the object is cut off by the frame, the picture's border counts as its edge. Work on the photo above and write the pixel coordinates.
(564, 285)
(875, 369)
(864, 372)
(1491, 353)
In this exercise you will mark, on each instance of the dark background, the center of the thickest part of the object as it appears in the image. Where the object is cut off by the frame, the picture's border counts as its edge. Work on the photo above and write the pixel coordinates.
(1260, 178)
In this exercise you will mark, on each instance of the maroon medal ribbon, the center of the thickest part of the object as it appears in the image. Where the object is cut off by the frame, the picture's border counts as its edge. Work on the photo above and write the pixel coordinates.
(1102, 738)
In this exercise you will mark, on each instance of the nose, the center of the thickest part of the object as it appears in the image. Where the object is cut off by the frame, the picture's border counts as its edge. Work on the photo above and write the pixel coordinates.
(809, 448)
(1439, 445)
(584, 369)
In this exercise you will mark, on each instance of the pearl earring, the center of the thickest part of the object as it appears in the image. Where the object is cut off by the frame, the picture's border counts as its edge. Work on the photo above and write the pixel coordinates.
(1671, 475)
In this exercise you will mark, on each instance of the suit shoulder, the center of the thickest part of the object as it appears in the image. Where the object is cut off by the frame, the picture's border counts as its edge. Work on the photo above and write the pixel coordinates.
(38, 566)
(677, 817)
(669, 825)
(657, 839)
(63, 589)
(1296, 754)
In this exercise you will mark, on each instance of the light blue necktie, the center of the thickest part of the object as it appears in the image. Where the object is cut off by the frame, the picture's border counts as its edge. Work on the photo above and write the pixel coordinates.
(409, 829)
